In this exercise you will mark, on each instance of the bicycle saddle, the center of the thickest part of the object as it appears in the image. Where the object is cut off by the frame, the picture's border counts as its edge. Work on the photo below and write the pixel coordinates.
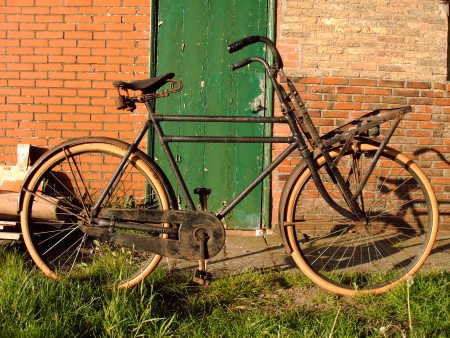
(148, 85)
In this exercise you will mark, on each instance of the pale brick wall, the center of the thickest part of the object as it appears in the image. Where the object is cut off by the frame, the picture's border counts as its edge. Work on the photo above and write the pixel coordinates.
(382, 39)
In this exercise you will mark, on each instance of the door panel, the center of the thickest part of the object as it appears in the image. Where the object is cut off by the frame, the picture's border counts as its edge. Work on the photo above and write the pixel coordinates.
(192, 36)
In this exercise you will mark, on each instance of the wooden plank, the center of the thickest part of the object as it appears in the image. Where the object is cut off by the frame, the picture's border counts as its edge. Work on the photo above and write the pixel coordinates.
(13, 236)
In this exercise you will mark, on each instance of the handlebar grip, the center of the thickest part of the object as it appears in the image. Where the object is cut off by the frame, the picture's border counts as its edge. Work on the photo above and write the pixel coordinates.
(238, 45)
(241, 64)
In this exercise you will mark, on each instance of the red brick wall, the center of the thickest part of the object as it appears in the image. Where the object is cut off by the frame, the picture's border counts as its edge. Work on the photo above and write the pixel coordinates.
(58, 59)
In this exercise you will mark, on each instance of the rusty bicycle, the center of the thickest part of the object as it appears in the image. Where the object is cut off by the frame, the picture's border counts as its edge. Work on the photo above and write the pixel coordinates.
(356, 215)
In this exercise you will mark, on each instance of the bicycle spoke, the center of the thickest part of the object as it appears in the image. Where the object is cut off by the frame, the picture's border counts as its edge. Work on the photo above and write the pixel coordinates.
(326, 236)
(48, 200)
(353, 254)
(391, 191)
(55, 234)
(343, 254)
(120, 182)
(76, 253)
(47, 232)
(67, 250)
(332, 256)
(327, 248)
(59, 241)
(75, 180)
(58, 194)
(379, 193)
(388, 212)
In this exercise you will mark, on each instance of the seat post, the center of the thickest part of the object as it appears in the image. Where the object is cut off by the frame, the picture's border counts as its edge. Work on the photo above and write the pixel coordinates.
(203, 194)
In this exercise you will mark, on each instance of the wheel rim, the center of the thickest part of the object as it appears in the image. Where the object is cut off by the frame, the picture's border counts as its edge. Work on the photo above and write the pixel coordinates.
(371, 256)
(68, 184)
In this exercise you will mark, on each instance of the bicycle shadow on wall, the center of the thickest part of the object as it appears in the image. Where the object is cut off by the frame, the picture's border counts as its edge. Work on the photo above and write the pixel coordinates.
(444, 204)
(432, 150)
(442, 242)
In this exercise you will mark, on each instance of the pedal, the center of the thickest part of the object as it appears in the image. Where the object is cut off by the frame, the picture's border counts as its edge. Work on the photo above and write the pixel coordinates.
(202, 277)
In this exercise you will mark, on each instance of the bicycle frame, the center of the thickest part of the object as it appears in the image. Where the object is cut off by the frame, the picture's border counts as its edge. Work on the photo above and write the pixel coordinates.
(154, 122)
(166, 139)
(294, 113)
(293, 142)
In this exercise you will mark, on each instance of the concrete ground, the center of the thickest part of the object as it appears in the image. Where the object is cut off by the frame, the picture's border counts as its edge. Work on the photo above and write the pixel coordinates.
(266, 252)
(242, 254)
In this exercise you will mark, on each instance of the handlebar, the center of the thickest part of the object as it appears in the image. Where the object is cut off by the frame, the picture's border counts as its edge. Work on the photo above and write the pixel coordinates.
(249, 40)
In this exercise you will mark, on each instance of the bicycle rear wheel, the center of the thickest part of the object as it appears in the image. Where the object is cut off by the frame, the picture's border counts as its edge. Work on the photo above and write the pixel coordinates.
(57, 201)
(371, 256)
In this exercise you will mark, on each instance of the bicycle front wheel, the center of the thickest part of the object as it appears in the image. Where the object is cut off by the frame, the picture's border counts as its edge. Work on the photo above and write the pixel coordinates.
(57, 202)
(373, 255)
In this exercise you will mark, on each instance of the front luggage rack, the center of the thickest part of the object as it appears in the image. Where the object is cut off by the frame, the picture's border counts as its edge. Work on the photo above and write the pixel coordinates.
(366, 125)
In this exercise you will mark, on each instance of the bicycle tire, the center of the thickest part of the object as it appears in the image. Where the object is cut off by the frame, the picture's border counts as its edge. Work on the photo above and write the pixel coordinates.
(57, 197)
(347, 257)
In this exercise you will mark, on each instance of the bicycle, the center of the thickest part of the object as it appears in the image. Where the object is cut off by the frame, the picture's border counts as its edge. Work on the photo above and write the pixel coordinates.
(356, 215)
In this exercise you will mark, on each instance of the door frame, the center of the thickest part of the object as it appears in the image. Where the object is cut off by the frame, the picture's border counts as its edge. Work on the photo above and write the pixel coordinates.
(266, 197)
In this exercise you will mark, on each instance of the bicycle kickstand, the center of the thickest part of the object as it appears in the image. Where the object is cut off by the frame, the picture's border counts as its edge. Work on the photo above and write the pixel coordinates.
(201, 276)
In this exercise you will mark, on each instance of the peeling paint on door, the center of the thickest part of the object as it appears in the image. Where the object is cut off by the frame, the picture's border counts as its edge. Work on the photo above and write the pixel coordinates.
(257, 105)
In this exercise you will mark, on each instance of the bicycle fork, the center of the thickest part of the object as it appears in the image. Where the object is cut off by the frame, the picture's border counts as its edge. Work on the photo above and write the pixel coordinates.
(290, 115)
(351, 198)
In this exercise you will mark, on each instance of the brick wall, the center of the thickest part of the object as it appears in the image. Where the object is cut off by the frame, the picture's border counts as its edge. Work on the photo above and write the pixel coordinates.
(382, 39)
(351, 57)
(58, 59)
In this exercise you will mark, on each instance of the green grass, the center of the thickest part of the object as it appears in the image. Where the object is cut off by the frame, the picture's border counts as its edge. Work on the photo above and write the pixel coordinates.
(248, 305)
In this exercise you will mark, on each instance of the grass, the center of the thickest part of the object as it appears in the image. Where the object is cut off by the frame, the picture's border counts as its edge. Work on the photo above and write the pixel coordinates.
(248, 305)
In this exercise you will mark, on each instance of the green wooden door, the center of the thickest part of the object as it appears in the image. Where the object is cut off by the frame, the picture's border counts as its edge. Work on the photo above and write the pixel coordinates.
(192, 36)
